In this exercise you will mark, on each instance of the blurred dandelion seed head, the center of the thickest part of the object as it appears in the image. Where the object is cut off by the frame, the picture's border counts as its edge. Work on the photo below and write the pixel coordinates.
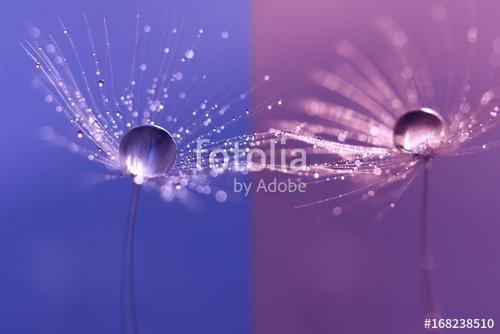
(386, 116)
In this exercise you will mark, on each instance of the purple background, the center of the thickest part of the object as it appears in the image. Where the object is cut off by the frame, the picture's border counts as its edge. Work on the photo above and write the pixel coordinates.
(353, 274)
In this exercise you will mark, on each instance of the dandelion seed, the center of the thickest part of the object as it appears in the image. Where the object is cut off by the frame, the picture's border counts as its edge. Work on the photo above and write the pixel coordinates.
(415, 123)
(149, 131)
(397, 126)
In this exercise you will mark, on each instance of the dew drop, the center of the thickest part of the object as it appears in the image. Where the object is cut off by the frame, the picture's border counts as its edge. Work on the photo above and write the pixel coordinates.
(100, 83)
(337, 211)
(79, 134)
(147, 151)
(472, 34)
(419, 132)
(221, 196)
(178, 76)
(189, 54)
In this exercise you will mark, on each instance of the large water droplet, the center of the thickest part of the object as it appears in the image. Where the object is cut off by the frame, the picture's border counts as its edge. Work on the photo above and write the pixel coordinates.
(419, 132)
(147, 151)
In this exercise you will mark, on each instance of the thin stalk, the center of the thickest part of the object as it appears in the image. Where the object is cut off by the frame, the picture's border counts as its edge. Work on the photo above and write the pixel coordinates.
(128, 312)
(425, 249)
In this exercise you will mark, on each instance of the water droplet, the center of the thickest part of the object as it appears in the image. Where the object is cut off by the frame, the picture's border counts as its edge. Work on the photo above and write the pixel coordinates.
(337, 211)
(100, 83)
(79, 134)
(178, 76)
(147, 151)
(189, 54)
(221, 196)
(419, 132)
(472, 34)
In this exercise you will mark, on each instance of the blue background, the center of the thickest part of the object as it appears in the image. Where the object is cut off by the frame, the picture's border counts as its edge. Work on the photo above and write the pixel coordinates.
(60, 242)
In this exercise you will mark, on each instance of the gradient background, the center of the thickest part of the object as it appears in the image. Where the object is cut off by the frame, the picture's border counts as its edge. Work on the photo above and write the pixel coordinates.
(250, 266)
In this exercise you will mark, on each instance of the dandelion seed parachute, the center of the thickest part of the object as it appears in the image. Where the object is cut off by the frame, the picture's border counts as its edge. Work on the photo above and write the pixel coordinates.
(147, 132)
(387, 119)
(173, 101)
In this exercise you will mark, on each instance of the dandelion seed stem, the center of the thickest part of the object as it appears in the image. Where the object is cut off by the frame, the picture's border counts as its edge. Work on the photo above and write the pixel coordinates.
(128, 312)
(425, 248)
